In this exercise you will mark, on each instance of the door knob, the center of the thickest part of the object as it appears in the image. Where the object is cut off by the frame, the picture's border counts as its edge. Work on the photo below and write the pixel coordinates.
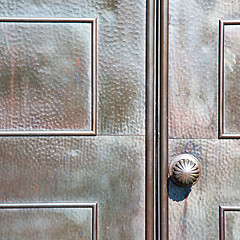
(185, 170)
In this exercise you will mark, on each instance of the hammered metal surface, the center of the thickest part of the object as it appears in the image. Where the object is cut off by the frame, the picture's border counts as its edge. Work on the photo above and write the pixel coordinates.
(193, 111)
(231, 77)
(46, 76)
(121, 55)
(193, 65)
(46, 224)
(232, 225)
(194, 212)
(107, 170)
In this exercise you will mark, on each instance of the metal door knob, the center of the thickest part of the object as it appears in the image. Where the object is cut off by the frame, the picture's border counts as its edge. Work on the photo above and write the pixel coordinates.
(185, 170)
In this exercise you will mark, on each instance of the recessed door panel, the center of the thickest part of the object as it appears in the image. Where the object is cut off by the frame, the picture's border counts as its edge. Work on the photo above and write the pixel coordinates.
(48, 76)
(42, 221)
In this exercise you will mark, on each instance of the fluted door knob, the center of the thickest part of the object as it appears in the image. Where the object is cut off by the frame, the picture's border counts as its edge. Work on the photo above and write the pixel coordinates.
(185, 170)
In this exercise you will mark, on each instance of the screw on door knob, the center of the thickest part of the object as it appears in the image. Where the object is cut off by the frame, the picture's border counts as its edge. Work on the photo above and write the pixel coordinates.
(185, 170)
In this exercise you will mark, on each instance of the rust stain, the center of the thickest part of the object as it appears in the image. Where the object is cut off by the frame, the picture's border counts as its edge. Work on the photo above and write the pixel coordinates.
(4, 197)
(78, 61)
(185, 216)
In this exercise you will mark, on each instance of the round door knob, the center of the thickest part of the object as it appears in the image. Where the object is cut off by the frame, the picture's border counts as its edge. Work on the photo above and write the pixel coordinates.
(185, 170)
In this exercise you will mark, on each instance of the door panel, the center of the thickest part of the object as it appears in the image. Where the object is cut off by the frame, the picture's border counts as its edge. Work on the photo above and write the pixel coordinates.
(232, 225)
(194, 67)
(47, 90)
(106, 170)
(41, 222)
(121, 56)
(51, 64)
(194, 212)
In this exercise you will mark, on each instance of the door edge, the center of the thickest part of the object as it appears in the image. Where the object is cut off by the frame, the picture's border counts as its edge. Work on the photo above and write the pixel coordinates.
(163, 38)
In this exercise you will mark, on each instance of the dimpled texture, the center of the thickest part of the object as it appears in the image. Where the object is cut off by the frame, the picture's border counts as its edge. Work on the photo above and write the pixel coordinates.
(45, 76)
(195, 215)
(121, 55)
(193, 111)
(46, 224)
(193, 65)
(232, 225)
(107, 170)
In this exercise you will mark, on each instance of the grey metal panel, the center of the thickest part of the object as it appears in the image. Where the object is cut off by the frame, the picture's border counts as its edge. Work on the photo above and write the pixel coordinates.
(107, 170)
(48, 221)
(194, 211)
(48, 80)
(229, 75)
(121, 55)
(229, 222)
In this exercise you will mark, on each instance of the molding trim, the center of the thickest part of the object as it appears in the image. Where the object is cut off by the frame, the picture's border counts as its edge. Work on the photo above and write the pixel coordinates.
(93, 206)
(150, 220)
(163, 21)
(222, 210)
(221, 130)
(93, 129)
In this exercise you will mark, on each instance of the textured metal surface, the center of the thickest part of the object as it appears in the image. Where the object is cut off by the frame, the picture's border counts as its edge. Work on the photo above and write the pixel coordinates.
(47, 76)
(229, 74)
(121, 55)
(193, 114)
(194, 211)
(229, 224)
(193, 65)
(185, 170)
(107, 170)
(48, 221)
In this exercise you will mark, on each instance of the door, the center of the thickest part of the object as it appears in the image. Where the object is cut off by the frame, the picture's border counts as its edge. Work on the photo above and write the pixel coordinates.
(75, 139)
(203, 116)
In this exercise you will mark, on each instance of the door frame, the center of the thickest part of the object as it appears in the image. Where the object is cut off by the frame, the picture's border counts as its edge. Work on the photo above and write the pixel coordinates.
(163, 39)
(151, 205)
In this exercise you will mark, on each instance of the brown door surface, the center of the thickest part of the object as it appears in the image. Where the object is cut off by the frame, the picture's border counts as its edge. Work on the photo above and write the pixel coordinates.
(204, 117)
(75, 161)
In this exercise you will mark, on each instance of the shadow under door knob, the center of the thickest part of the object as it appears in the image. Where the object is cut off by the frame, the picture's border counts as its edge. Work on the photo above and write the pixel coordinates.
(185, 170)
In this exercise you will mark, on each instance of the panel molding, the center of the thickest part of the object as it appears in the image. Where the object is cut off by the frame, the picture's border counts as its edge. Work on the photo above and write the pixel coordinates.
(93, 129)
(163, 39)
(92, 206)
(222, 210)
(221, 130)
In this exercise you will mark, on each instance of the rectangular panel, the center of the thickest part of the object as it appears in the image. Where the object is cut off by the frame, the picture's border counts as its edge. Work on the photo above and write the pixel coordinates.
(56, 221)
(194, 211)
(229, 74)
(229, 217)
(48, 76)
(107, 170)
